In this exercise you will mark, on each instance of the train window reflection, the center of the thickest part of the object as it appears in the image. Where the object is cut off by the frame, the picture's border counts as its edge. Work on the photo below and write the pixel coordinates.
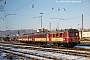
(60, 34)
(71, 34)
(56, 35)
(75, 34)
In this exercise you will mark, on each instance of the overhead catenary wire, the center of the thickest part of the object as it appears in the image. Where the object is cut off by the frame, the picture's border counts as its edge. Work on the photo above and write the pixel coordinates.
(18, 8)
(67, 8)
(56, 11)
(22, 6)
(50, 12)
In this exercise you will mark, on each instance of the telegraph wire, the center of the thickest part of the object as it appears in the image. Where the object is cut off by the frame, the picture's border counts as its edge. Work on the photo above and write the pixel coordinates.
(22, 6)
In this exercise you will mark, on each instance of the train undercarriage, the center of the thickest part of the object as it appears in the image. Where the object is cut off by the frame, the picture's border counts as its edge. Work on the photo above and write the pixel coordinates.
(49, 44)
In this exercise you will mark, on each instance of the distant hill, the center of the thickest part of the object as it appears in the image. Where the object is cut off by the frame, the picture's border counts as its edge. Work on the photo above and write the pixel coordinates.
(14, 32)
(23, 31)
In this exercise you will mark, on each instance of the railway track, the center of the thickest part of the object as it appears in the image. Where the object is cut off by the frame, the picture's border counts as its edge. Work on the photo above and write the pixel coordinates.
(45, 53)
(24, 54)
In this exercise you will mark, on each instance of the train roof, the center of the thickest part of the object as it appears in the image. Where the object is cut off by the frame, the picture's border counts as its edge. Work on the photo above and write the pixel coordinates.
(52, 32)
(58, 31)
(68, 30)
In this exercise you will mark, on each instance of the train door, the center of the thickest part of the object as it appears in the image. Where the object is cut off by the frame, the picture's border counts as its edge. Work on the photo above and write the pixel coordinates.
(33, 38)
(50, 37)
(60, 36)
(64, 37)
(47, 36)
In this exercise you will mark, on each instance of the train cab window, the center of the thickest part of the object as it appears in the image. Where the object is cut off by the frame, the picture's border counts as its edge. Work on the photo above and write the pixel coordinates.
(56, 35)
(60, 34)
(71, 34)
(75, 34)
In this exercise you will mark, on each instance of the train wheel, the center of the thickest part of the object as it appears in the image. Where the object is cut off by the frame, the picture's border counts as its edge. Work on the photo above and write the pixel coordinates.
(58, 44)
(71, 45)
(41, 43)
(66, 45)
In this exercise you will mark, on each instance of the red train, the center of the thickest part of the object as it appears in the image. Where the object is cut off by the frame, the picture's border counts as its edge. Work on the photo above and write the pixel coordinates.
(67, 37)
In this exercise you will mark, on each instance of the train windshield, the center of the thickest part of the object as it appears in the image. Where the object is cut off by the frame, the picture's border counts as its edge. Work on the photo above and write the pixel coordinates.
(73, 34)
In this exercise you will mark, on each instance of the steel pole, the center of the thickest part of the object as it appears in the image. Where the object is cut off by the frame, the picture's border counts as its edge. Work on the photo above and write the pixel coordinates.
(41, 21)
(82, 27)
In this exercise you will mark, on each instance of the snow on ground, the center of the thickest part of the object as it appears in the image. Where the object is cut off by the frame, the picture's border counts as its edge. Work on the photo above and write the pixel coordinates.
(55, 48)
(85, 47)
(49, 54)
(32, 56)
(3, 56)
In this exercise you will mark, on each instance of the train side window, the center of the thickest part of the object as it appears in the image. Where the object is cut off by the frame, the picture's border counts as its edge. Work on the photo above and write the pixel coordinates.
(64, 34)
(44, 35)
(56, 35)
(60, 34)
(87, 33)
(36, 36)
(53, 35)
(50, 35)
(39, 36)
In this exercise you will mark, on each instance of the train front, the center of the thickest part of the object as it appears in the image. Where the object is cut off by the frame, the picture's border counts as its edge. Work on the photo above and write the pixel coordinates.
(71, 37)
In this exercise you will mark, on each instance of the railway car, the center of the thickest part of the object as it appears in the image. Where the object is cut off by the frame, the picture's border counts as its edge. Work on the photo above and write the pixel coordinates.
(67, 37)
(85, 40)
